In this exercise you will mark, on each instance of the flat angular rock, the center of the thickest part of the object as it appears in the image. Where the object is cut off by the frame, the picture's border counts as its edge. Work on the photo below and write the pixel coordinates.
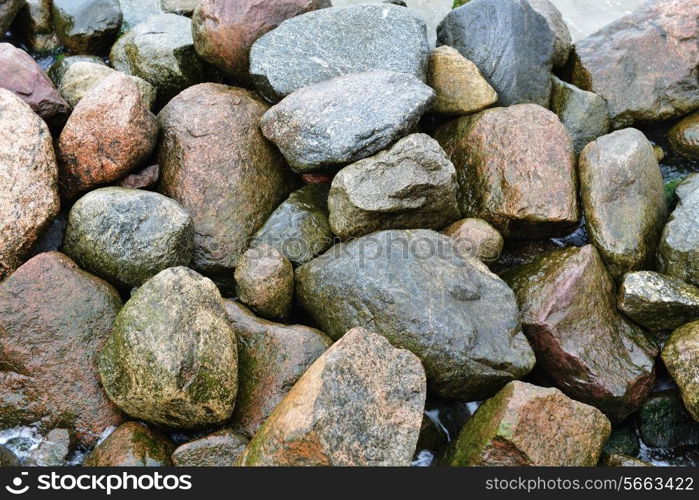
(132, 445)
(24, 77)
(622, 192)
(658, 302)
(684, 137)
(127, 236)
(526, 425)
(515, 169)
(172, 358)
(583, 113)
(216, 163)
(346, 119)
(50, 302)
(93, 151)
(512, 45)
(327, 43)
(28, 180)
(359, 404)
(681, 357)
(416, 289)
(87, 26)
(583, 344)
(224, 31)
(478, 238)
(643, 64)
(410, 186)
(220, 449)
(272, 357)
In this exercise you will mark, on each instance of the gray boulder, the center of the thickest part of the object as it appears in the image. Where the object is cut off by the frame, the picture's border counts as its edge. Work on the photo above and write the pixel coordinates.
(87, 26)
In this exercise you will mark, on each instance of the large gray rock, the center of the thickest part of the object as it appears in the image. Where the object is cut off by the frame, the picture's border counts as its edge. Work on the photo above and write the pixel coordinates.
(562, 40)
(346, 119)
(678, 251)
(622, 193)
(416, 289)
(511, 44)
(87, 26)
(326, 43)
(411, 186)
(658, 302)
(172, 357)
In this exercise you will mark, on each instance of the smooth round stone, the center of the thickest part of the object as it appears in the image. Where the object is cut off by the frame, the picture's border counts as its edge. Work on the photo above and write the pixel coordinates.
(684, 137)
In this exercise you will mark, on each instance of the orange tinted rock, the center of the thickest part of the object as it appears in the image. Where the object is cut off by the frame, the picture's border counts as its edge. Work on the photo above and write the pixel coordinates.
(132, 445)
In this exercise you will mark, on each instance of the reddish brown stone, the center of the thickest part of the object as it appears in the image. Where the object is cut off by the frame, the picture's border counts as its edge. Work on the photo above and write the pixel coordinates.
(111, 132)
(28, 174)
(146, 178)
(224, 31)
(54, 317)
(317, 178)
(23, 76)
(132, 445)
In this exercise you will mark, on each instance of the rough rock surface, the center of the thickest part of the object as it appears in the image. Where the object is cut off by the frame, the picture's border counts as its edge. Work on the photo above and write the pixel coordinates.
(346, 119)
(644, 64)
(8, 459)
(272, 357)
(681, 356)
(583, 113)
(459, 85)
(28, 180)
(216, 163)
(52, 451)
(172, 358)
(127, 236)
(416, 289)
(622, 192)
(515, 169)
(587, 348)
(526, 425)
(678, 251)
(132, 445)
(265, 282)
(299, 227)
(658, 302)
(477, 238)
(93, 151)
(24, 77)
(663, 422)
(684, 137)
(327, 43)
(220, 449)
(512, 45)
(224, 31)
(410, 186)
(87, 26)
(51, 303)
(562, 43)
(8, 11)
(359, 404)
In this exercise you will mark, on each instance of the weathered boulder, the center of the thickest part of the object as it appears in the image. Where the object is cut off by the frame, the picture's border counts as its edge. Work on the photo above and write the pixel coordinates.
(583, 113)
(24, 77)
(512, 45)
(526, 425)
(359, 404)
(172, 358)
(681, 356)
(684, 137)
(132, 445)
(299, 228)
(127, 236)
(265, 282)
(562, 43)
(516, 170)
(346, 119)
(416, 289)
(28, 180)
(220, 449)
(50, 302)
(328, 43)
(216, 163)
(8, 11)
(663, 422)
(87, 26)
(658, 302)
(459, 85)
(272, 357)
(644, 64)
(622, 192)
(225, 31)
(589, 350)
(410, 186)
(93, 151)
(477, 238)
